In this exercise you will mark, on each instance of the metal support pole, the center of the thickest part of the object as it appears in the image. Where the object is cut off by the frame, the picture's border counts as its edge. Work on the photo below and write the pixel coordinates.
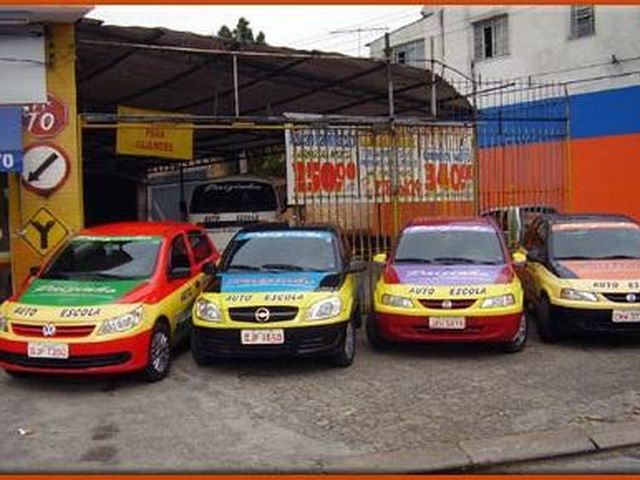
(476, 150)
(388, 56)
(236, 93)
(434, 99)
(183, 202)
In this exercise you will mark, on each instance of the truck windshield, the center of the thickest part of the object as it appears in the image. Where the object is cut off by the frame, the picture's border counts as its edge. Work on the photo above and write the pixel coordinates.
(282, 252)
(104, 258)
(234, 196)
(449, 247)
(595, 243)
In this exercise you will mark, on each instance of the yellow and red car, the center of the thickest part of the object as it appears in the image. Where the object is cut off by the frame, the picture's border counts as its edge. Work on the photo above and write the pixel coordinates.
(280, 291)
(115, 298)
(583, 274)
(449, 280)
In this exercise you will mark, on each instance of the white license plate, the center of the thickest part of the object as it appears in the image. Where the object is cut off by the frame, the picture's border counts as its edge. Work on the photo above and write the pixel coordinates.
(625, 316)
(447, 323)
(274, 336)
(47, 350)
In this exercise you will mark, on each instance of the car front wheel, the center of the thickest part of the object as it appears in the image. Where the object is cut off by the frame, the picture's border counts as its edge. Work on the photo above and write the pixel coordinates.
(159, 362)
(347, 349)
(520, 339)
(547, 327)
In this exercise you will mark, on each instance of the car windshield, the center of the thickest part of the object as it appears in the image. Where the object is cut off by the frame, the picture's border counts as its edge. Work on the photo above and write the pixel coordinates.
(595, 243)
(104, 258)
(449, 246)
(234, 196)
(288, 251)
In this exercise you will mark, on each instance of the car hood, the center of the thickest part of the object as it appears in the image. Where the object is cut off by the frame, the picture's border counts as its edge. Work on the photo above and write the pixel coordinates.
(626, 269)
(76, 293)
(271, 282)
(452, 274)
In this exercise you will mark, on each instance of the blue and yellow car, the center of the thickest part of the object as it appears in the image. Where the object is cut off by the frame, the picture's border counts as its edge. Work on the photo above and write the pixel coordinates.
(280, 290)
(583, 275)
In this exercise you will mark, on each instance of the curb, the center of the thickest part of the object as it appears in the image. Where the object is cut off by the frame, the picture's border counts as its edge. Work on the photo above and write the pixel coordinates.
(470, 454)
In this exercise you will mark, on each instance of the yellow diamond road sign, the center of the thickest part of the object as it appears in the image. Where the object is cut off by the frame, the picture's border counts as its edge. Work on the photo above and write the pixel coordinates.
(44, 232)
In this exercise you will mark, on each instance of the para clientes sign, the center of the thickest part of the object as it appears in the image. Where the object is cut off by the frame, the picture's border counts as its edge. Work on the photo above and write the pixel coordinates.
(10, 139)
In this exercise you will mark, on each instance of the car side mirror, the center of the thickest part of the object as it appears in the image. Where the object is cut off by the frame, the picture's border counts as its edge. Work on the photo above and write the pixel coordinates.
(209, 268)
(177, 273)
(380, 258)
(33, 271)
(357, 266)
(535, 256)
(519, 259)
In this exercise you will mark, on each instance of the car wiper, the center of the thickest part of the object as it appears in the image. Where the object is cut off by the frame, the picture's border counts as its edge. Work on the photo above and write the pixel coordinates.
(113, 276)
(576, 257)
(282, 266)
(412, 260)
(252, 268)
(620, 257)
(454, 260)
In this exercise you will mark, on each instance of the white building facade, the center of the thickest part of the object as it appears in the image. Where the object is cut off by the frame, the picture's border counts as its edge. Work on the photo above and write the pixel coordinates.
(593, 50)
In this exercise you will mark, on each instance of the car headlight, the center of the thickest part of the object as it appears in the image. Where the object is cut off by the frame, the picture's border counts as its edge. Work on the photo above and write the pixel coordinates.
(499, 301)
(3, 323)
(578, 295)
(121, 323)
(327, 308)
(397, 301)
(207, 311)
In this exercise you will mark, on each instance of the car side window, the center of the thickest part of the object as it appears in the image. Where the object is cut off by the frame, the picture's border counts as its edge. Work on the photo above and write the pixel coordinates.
(200, 246)
(179, 255)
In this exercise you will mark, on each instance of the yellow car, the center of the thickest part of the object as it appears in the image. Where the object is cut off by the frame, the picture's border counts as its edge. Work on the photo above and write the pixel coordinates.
(583, 274)
(114, 299)
(280, 290)
(449, 280)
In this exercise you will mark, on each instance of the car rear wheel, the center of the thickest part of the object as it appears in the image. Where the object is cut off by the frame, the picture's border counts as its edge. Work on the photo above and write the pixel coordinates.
(159, 362)
(347, 349)
(520, 339)
(196, 351)
(547, 327)
(377, 341)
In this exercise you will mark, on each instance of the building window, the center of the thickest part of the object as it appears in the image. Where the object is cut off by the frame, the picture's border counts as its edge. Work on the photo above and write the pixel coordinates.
(583, 21)
(491, 38)
(411, 53)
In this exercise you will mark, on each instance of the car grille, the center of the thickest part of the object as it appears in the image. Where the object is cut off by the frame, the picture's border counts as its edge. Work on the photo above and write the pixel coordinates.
(622, 297)
(78, 362)
(61, 331)
(276, 313)
(437, 304)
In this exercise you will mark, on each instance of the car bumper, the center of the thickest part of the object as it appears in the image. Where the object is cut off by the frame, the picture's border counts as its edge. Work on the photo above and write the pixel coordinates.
(485, 329)
(301, 341)
(115, 356)
(590, 322)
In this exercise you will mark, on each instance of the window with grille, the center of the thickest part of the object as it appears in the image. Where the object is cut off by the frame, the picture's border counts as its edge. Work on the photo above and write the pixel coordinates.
(583, 21)
(411, 53)
(491, 38)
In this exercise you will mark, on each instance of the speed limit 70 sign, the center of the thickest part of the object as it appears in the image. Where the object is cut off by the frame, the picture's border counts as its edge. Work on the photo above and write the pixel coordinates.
(45, 120)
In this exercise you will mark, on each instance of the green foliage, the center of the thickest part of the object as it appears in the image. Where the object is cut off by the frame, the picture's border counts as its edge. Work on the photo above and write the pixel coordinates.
(269, 164)
(242, 34)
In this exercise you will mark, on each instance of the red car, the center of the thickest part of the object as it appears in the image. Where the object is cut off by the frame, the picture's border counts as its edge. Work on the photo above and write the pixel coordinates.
(115, 298)
(449, 281)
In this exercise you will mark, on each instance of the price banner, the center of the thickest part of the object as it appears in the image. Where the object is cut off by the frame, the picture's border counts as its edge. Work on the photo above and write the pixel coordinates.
(416, 163)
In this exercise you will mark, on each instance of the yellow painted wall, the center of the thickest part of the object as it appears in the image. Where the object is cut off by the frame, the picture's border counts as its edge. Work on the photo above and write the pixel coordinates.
(65, 204)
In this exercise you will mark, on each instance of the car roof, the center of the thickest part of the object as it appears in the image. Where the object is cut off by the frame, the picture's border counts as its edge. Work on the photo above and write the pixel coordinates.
(452, 221)
(279, 227)
(165, 229)
(586, 218)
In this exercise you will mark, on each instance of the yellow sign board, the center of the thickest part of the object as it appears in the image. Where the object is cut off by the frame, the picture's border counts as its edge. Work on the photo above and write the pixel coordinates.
(43, 232)
(163, 140)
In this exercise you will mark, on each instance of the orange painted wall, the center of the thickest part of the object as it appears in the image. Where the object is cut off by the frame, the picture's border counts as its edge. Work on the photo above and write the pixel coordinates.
(605, 175)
